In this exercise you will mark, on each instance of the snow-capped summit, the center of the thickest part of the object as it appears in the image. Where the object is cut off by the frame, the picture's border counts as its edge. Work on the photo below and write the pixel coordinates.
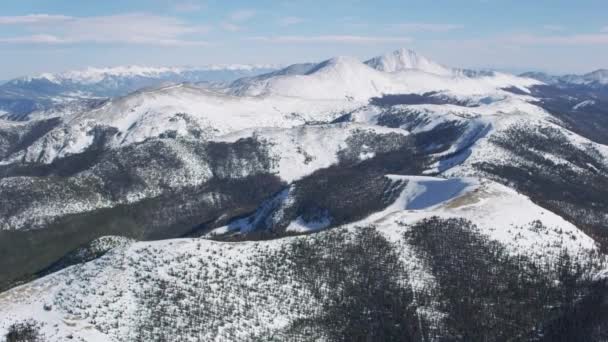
(336, 78)
(400, 72)
(404, 59)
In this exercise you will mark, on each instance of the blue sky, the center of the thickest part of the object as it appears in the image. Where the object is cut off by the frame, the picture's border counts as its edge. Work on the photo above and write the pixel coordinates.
(558, 36)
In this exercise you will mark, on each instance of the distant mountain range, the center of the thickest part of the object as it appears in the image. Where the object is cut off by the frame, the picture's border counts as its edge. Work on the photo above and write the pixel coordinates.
(598, 78)
(21, 96)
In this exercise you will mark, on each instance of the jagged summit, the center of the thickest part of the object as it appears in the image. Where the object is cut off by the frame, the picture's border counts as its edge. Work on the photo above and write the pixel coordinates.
(404, 59)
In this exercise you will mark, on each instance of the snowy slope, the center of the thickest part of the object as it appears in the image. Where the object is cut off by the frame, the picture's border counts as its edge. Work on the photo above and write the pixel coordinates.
(183, 110)
(488, 204)
(102, 300)
(502, 213)
(242, 85)
(293, 153)
(300, 151)
(487, 151)
(476, 123)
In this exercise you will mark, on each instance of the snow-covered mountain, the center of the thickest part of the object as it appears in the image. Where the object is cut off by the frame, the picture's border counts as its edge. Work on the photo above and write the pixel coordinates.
(23, 95)
(289, 97)
(598, 78)
(189, 74)
(401, 72)
(257, 284)
(412, 184)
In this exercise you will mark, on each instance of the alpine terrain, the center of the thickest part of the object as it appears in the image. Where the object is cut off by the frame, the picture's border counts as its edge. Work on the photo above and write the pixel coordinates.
(393, 199)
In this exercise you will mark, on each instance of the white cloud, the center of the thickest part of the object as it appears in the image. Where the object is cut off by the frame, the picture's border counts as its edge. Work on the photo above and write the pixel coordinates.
(233, 23)
(426, 27)
(575, 39)
(348, 39)
(188, 6)
(288, 21)
(132, 28)
(33, 19)
(34, 39)
(242, 15)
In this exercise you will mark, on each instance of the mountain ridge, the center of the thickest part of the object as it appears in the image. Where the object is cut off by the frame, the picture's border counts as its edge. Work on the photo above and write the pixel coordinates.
(20, 97)
(97, 74)
(597, 77)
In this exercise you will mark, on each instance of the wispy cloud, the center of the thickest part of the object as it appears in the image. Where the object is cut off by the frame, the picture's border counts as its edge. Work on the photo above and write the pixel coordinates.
(352, 22)
(188, 5)
(575, 39)
(33, 19)
(347, 39)
(288, 21)
(231, 27)
(132, 28)
(242, 15)
(426, 27)
(34, 39)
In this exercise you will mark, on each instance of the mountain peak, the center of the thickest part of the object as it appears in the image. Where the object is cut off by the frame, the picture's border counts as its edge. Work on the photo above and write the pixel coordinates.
(406, 59)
